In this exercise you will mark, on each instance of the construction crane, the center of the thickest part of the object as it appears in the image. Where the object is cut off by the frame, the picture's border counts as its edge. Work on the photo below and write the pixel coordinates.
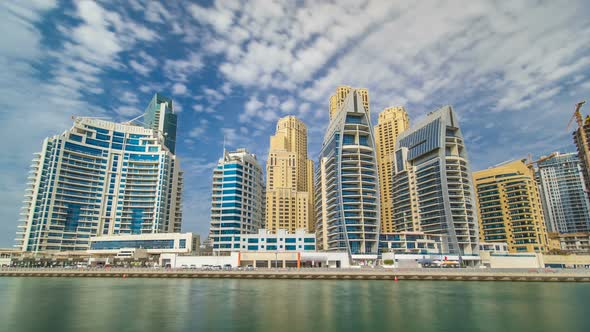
(577, 115)
(532, 162)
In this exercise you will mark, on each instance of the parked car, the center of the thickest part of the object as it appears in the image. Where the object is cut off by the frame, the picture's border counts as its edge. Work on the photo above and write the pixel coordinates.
(193, 266)
(227, 267)
(249, 268)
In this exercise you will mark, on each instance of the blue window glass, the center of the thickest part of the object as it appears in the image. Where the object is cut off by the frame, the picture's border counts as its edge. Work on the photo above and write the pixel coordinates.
(76, 138)
(182, 243)
(348, 139)
(97, 142)
(364, 140)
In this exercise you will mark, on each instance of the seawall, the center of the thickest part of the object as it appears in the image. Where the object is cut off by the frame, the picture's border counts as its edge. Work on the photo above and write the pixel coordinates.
(313, 274)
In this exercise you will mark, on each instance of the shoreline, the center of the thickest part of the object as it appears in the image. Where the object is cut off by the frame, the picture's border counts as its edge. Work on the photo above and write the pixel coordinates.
(312, 274)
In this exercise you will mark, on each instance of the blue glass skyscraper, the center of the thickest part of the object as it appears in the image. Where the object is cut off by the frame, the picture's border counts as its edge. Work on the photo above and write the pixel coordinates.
(99, 178)
(160, 116)
(237, 201)
(347, 187)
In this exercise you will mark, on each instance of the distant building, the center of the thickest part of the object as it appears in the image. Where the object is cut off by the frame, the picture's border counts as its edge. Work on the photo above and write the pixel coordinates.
(289, 179)
(509, 208)
(99, 178)
(237, 204)
(564, 197)
(410, 242)
(181, 243)
(432, 189)
(582, 141)
(347, 184)
(160, 116)
(577, 243)
(279, 241)
(392, 121)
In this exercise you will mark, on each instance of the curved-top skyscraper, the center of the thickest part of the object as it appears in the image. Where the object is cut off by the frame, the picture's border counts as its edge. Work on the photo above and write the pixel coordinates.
(347, 186)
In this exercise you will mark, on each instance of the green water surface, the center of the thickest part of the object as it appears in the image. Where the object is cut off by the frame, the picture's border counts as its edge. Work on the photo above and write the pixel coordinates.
(114, 305)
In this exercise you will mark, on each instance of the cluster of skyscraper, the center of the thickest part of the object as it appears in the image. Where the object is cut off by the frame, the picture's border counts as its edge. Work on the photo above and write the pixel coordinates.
(368, 184)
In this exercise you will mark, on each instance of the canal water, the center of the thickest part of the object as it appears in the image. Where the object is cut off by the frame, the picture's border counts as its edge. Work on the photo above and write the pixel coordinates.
(115, 305)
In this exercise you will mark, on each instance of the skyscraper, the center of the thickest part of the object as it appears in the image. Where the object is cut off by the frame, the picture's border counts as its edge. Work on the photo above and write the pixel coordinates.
(392, 121)
(509, 207)
(289, 179)
(237, 205)
(160, 116)
(432, 189)
(347, 186)
(564, 197)
(99, 178)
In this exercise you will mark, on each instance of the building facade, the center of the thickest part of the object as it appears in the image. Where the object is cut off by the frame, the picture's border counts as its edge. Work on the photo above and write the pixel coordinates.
(237, 204)
(410, 242)
(432, 190)
(99, 178)
(289, 179)
(510, 209)
(563, 194)
(279, 241)
(578, 243)
(181, 243)
(160, 117)
(392, 121)
(347, 183)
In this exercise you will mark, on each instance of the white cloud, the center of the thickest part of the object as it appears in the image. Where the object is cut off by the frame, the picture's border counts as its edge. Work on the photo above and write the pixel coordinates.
(179, 89)
(181, 69)
(198, 131)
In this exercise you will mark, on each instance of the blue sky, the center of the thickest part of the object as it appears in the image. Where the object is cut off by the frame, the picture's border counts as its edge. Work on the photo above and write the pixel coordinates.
(512, 70)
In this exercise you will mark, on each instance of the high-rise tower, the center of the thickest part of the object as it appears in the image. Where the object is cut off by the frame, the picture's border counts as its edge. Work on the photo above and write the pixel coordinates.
(564, 196)
(289, 179)
(509, 207)
(160, 116)
(237, 204)
(99, 178)
(347, 186)
(392, 121)
(432, 188)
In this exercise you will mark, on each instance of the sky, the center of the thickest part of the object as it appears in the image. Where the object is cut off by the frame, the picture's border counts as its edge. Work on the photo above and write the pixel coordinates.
(512, 70)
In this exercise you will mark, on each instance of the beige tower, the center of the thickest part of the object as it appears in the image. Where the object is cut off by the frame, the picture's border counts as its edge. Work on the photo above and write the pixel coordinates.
(289, 178)
(337, 99)
(392, 121)
(509, 208)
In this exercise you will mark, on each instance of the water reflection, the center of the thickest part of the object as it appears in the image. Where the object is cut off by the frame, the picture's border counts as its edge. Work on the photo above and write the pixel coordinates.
(62, 304)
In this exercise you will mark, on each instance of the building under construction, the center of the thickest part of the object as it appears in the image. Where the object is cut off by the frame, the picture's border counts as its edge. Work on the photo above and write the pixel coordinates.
(581, 139)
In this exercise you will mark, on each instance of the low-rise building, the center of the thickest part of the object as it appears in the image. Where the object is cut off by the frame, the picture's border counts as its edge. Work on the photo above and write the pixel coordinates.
(180, 243)
(573, 242)
(410, 242)
(281, 241)
(496, 247)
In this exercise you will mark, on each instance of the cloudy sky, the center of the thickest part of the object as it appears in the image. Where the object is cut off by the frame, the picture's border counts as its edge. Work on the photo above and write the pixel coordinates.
(513, 71)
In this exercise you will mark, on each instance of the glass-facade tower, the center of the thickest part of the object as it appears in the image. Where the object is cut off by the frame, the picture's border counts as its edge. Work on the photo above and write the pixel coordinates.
(99, 178)
(160, 116)
(347, 186)
(432, 186)
(237, 204)
(564, 196)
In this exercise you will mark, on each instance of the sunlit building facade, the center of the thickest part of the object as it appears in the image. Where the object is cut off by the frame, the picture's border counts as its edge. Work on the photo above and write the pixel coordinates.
(563, 194)
(289, 179)
(391, 122)
(99, 178)
(432, 190)
(510, 209)
(237, 201)
(160, 116)
(347, 183)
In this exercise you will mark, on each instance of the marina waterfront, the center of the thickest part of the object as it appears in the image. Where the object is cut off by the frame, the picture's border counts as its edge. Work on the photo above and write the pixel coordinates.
(140, 304)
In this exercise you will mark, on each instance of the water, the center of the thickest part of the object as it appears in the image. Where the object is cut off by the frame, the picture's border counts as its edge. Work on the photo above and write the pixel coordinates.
(114, 305)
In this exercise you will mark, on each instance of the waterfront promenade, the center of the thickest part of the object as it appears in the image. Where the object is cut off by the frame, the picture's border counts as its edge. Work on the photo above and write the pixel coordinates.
(561, 275)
